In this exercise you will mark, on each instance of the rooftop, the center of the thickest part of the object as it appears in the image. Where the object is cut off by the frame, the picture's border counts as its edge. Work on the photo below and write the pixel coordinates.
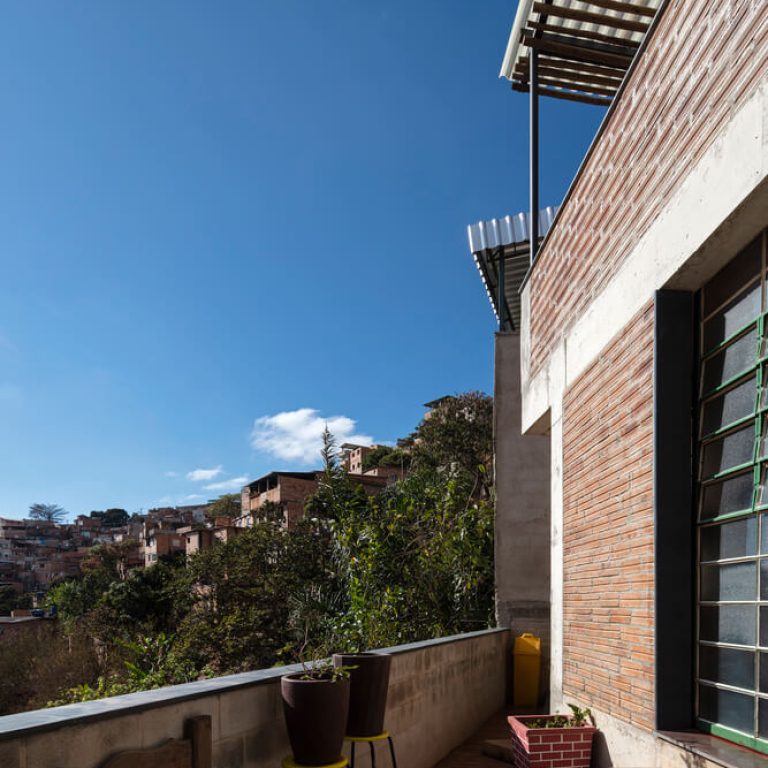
(585, 47)
(498, 243)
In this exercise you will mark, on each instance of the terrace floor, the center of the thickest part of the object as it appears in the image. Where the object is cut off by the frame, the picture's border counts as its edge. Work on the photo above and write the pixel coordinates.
(470, 754)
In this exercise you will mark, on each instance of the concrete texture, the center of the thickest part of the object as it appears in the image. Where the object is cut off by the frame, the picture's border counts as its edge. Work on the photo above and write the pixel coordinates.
(441, 692)
(522, 506)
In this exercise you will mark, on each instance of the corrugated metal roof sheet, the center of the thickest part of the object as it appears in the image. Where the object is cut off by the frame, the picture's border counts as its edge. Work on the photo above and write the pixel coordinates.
(508, 239)
(510, 230)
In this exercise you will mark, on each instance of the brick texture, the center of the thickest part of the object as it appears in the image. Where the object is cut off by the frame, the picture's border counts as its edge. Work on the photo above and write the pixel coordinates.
(550, 747)
(608, 528)
(703, 61)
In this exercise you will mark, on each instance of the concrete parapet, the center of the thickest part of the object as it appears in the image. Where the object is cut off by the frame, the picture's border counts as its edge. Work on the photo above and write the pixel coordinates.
(441, 691)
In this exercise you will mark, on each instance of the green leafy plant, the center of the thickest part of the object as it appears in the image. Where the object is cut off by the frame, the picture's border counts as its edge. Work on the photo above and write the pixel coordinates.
(580, 717)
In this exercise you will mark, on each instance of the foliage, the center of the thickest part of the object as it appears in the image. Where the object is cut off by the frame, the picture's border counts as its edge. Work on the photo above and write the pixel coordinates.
(458, 433)
(227, 505)
(114, 604)
(578, 719)
(259, 595)
(111, 518)
(40, 662)
(10, 599)
(51, 513)
(358, 572)
(419, 562)
(151, 664)
(336, 495)
(386, 456)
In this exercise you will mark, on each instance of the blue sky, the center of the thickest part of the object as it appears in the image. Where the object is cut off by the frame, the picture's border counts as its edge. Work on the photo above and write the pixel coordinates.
(217, 218)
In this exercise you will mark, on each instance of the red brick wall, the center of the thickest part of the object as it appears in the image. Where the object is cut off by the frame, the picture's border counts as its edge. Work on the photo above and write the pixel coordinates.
(608, 528)
(703, 61)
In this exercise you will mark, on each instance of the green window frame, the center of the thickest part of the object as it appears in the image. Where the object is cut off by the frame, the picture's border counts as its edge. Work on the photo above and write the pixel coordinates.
(732, 501)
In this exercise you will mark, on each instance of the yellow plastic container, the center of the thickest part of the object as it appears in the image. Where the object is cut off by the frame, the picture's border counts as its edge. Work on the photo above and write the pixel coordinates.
(527, 657)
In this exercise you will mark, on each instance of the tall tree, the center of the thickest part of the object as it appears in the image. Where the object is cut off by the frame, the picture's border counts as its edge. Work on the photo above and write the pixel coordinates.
(458, 434)
(51, 513)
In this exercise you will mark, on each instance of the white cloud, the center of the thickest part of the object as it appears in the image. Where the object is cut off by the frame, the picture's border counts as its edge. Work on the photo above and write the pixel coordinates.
(199, 475)
(171, 474)
(227, 486)
(192, 497)
(298, 435)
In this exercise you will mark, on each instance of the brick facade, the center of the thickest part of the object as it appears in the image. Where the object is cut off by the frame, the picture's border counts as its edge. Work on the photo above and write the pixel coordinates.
(608, 528)
(703, 62)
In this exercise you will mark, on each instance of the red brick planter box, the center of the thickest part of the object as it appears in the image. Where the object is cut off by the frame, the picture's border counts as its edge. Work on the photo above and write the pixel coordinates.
(550, 747)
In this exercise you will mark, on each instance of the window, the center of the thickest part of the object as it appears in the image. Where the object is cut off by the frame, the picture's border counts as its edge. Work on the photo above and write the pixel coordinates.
(732, 511)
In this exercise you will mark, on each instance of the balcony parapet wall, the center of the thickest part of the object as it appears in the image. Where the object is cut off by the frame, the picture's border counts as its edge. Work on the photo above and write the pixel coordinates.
(440, 692)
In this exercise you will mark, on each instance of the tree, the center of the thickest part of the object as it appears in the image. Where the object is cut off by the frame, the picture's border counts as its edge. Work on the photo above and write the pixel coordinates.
(10, 599)
(253, 594)
(227, 505)
(114, 517)
(386, 456)
(419, 562)
(458, 433)
(51, 513)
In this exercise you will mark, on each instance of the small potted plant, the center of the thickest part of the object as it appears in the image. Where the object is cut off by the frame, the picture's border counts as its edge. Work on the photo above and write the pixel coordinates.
(316, 705)
(539, 741)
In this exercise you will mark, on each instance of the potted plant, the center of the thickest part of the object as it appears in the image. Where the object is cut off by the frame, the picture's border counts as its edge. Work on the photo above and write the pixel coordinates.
(369, 683)
(539, 741)
(316, 704)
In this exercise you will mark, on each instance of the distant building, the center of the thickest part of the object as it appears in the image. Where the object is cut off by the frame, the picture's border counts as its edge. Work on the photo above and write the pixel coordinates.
(353, 458)
(289, 491)
(200, 537)
(161, 543)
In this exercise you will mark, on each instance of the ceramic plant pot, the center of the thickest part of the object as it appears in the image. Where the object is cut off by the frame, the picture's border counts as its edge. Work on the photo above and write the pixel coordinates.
(369, 682)
(316, 711)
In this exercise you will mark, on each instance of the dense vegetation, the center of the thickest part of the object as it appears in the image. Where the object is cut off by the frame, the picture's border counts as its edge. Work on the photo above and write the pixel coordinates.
(358, 572)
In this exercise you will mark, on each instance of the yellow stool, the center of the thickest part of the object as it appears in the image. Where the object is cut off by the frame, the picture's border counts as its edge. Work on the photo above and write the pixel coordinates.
(371, 741)
(289, 762)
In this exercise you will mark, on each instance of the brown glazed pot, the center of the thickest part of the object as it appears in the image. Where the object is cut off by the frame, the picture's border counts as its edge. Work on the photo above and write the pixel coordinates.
(315, 713)
(368, 694)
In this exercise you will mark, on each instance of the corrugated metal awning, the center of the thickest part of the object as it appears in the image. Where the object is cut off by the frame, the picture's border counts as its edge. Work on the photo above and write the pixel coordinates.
(585, 47)
(506, 239)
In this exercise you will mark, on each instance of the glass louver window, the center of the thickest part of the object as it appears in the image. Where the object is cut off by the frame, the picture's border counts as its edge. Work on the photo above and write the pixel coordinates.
(732, 637)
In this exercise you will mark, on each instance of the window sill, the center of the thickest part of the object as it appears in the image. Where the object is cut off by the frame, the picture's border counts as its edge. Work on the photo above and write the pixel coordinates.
(717, 751)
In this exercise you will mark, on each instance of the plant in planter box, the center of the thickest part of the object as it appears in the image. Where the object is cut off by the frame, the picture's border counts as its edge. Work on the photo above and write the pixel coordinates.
(316, 704)
(544, 740)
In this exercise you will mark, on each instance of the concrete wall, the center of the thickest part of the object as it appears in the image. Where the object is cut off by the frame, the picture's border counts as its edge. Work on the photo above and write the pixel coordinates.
(441, 691)
(522, 506)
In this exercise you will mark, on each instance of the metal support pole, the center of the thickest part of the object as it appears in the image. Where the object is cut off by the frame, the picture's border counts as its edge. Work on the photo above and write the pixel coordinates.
(533, 87)
(501, 301)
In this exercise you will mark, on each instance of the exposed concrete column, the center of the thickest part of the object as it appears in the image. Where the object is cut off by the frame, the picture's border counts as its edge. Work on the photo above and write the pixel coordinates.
(557, 388)
(522, 529)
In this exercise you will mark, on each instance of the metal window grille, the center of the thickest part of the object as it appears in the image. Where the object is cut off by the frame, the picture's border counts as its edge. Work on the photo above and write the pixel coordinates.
(732, 529)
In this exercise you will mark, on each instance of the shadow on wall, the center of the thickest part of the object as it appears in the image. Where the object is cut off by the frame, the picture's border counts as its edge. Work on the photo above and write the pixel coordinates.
(601, 757)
